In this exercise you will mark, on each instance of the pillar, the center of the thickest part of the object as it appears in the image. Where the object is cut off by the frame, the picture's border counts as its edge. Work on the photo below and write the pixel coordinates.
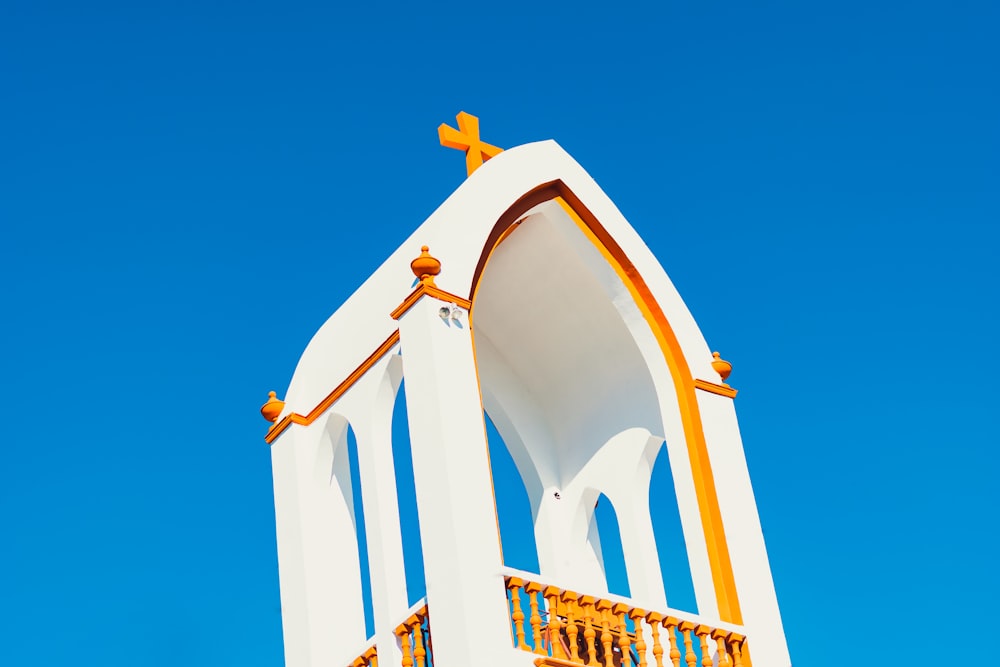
(458, 524)
(321, 604)
(751, 570)
(369, 405)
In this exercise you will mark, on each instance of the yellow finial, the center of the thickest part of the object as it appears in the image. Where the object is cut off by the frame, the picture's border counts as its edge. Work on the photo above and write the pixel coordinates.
(721, 366)
(426, 267)
(272, 408)
(466, 138)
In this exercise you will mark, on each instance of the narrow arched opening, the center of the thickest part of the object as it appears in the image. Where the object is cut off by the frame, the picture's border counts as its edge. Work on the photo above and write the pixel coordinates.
(516, 524)
(362, 536)
(406, 496)
(675, 566)
(605, 536)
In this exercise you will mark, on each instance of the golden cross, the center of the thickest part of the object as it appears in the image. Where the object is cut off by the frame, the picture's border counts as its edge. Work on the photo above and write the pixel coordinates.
(466, 138)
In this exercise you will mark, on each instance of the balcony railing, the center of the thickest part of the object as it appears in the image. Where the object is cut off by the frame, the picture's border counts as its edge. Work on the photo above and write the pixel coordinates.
(566, 627)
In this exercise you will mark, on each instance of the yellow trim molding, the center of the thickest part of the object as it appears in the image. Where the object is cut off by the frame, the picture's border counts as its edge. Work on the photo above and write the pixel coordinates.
(720, 389)
(331, 398)
(684, 384)
(427, 289)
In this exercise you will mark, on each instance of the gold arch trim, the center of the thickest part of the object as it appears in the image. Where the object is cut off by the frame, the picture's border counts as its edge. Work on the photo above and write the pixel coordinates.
(684, 383)
(331, 398)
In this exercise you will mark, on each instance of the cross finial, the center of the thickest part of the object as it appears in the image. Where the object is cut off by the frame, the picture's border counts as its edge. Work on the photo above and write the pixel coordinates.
(466, 138)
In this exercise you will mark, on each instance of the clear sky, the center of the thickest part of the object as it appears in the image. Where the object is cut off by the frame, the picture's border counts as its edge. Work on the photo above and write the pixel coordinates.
(189, 189)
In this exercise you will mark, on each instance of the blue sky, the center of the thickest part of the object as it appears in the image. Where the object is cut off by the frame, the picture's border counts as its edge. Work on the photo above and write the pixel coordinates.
(182, 186)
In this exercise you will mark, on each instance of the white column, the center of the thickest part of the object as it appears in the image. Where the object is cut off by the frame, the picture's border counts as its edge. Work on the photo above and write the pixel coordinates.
(369, 406)
(458, 522)
(751, 570)
(321, 604)
(626, 462)
(642, 563)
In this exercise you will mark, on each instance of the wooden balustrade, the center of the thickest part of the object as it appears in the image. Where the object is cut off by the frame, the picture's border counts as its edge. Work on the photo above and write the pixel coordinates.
(367, 659)
(566, 627)
(415, 640)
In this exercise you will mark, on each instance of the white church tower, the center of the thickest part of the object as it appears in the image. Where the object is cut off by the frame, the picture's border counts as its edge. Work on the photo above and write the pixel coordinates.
(535, 302)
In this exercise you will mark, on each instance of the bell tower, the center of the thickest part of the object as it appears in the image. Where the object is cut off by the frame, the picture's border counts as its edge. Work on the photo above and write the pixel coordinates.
(526, 296)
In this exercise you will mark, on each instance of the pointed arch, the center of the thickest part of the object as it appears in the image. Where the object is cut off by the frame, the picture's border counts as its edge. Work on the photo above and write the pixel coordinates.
(514, 508)
(605, 536)
(649, 311)
(675, 566)
(406, 496)
(357, 505)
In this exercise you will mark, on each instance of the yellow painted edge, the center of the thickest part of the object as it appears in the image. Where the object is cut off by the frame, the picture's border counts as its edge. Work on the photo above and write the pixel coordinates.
(424, 289)
(331, 398)
(701, 468)
(720, 389)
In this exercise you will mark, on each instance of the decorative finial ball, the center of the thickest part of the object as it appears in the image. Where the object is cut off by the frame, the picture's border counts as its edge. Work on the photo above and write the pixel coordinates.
(425, 267)
(721, 366)
(272, 408)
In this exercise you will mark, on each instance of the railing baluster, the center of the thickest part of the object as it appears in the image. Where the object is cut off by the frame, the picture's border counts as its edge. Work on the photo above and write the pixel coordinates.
(532, 589)
(654, 619)
(589, 634)
(419, 654)
(706, 653)
(554, 626)
(637, 615)
(624, 641)
(671, 623)
(604, 607)
(736, 643)
(403, 632)
(572, 630)
(517, 616)
(686, 629)
(720, 642)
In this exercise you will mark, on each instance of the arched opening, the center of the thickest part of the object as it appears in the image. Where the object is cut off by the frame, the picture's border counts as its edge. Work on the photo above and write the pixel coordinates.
(635, 301)
(517, 533)
(362, 537)
(675, 567)
(605, 534)
(336, 474)
(406, 496)
(565, 379)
